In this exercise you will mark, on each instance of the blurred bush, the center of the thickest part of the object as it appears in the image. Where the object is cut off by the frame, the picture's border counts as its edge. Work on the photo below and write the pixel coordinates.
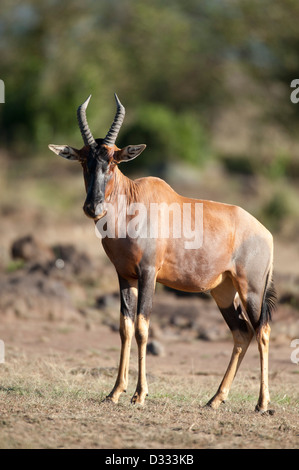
(278, 210)
(170, 136)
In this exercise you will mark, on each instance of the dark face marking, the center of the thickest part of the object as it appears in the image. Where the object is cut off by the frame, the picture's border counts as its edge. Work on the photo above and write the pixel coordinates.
(97, 173)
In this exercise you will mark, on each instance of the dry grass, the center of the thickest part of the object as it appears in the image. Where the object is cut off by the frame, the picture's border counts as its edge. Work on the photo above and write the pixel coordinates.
(50, 404)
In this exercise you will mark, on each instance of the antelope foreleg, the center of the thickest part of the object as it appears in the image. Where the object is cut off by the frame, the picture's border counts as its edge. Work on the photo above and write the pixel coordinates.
(142, 325)
(145, 298)
(126, 330)
(128, 300)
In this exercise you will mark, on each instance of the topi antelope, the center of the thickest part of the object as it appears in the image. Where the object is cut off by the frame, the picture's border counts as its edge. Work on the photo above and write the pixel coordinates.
(234, 261)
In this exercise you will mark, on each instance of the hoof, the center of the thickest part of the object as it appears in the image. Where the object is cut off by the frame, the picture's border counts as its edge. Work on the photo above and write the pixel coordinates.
(109, 400)
(138, 399)
(214, 403)
(264, 412)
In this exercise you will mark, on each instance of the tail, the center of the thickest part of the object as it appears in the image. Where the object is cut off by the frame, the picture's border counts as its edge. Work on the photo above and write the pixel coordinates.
(269, 303)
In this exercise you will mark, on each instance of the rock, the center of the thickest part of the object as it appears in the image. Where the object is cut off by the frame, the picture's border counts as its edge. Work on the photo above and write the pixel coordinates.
(34, 296)
(211, 333)
(29, 249)
(155, 348)
(68, 258)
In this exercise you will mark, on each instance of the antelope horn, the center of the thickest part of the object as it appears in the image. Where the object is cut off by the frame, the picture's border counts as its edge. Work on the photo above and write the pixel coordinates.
(116, 125)
(83, 124)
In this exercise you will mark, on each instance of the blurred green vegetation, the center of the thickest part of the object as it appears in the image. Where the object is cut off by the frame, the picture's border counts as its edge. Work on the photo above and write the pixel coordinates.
(172, 136)
(201, 81)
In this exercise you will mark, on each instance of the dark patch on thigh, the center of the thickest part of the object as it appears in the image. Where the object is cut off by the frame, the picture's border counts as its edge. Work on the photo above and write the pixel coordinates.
(232, 316)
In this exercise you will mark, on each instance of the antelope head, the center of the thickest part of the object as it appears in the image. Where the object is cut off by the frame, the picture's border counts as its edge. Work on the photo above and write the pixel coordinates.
(99, 158)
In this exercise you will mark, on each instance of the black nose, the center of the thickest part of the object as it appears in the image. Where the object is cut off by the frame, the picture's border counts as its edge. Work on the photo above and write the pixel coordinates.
(93, 210)
(89, 210)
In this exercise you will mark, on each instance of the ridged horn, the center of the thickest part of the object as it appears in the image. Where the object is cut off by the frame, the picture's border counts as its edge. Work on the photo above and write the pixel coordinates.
(116, 125)
(83, 124)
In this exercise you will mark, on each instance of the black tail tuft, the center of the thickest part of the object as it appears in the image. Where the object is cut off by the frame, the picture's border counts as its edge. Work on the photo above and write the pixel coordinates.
(269, 303)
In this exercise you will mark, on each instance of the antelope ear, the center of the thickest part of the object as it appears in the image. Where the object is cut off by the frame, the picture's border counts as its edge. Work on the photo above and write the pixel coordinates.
(65, 151)
(128, 153)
